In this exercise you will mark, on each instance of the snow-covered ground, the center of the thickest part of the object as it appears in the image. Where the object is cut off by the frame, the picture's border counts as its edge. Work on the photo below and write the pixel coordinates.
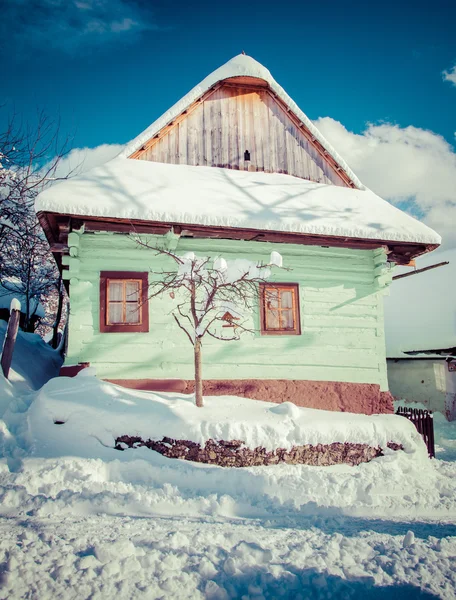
(82, 520)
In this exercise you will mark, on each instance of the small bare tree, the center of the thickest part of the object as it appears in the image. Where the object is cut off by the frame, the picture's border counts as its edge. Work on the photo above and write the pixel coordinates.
(211, 296)
(29, 158)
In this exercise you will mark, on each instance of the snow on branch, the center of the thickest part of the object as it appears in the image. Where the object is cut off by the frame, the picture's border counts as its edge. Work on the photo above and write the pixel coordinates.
(210, 295)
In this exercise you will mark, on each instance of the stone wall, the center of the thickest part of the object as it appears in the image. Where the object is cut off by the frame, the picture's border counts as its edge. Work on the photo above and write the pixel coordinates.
(233, 453)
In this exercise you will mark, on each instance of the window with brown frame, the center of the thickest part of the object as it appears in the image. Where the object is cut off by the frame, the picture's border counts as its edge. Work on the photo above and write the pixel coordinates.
(279, 309)
(124, 305)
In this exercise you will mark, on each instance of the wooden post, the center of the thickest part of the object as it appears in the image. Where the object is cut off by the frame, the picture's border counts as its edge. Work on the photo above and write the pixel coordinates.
(10, 336)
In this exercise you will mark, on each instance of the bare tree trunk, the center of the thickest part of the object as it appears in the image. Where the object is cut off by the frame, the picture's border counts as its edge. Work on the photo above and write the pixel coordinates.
(198, 377)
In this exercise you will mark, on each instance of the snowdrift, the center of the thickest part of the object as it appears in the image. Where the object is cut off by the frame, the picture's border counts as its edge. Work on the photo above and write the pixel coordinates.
(83, 416)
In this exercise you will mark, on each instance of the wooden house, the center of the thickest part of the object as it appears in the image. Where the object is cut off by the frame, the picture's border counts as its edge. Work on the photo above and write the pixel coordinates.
(235, 169)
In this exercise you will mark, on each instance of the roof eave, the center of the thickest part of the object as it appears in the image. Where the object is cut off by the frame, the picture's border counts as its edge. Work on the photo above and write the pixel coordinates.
(57, 226)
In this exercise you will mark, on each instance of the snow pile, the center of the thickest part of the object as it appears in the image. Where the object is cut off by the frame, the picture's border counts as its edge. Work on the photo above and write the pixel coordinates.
(136, 524)
(94, 413)
(228, 198)
(34, 363)
(420, 313)
(239, 66)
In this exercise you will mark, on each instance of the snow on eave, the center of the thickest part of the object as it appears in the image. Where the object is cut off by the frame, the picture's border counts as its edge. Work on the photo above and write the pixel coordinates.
(239, 66)
(216, 197)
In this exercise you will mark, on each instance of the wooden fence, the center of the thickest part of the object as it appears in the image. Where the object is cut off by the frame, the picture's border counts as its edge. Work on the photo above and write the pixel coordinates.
(424, 423)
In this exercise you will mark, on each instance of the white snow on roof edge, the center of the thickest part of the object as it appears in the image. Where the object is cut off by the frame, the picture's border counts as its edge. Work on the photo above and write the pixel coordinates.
(239, 66)
(214, 196)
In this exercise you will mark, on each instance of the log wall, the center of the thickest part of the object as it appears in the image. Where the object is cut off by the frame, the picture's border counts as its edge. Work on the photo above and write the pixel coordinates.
(341, 308)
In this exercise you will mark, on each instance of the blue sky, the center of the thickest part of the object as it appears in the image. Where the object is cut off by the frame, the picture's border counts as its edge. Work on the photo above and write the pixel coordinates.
(110, 68)
(372, 76)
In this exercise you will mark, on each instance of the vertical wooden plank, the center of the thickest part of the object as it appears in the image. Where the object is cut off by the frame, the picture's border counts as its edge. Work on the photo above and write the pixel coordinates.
(265, 131)
(290, 147)
(271, 138)
(260, 118)
(299, 156)
(240, 110)
(217, 140)
(172, 151)
(183, 142)
(191, 138)
(233, 130)
(252, 132)
(207, 132)
(225, 130)
(280, 139)
(199, 136)
(248, 125)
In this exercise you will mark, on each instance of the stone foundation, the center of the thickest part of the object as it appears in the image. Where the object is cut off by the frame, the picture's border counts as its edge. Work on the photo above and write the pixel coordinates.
(364, 398)
(234, 454)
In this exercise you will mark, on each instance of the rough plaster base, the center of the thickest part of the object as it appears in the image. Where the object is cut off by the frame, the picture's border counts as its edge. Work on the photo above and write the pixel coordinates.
(365, 398)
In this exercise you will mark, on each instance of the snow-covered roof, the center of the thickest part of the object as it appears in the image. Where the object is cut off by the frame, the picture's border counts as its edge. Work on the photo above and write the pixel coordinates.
(239, 66)
(136, 189)
(420, 313)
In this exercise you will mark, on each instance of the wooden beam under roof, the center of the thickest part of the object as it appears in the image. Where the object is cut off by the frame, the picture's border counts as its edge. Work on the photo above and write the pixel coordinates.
(398, 252)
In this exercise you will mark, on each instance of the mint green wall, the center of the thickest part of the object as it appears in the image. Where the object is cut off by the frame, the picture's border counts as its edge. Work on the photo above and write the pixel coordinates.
(341, 316)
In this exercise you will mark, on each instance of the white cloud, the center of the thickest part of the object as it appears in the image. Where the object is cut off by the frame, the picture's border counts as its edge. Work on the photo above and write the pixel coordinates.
(73, 24)
(408, 166)
(80, 160)
(450, 75)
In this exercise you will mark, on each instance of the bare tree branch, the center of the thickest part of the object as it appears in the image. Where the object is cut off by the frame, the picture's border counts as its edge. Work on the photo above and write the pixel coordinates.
(205, 295)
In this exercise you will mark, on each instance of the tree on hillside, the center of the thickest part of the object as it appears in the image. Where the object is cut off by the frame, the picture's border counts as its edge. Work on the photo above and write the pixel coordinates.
(29, 157)
(213, 297)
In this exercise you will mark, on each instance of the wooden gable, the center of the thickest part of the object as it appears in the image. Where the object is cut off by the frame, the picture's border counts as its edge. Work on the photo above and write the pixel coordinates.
(243, 125)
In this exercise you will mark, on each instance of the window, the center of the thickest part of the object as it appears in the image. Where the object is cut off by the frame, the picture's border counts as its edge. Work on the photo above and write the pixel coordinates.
(124, 305)
(279, 309)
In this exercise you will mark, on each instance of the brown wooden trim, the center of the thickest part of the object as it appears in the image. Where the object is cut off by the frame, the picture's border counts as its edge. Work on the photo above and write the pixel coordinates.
(246, 81)
(296, 308)
(399, 252)
(143, 326)
(417, 271)
(316, 144)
